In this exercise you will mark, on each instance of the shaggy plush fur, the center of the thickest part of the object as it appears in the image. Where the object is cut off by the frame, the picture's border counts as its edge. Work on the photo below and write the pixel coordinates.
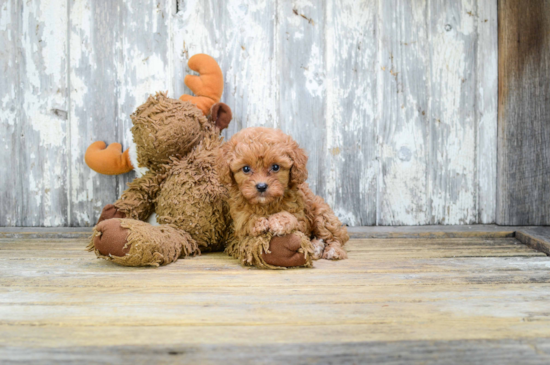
(265, 172)
(146, 245)
(182, 187)
(184, 190)
(174, 149)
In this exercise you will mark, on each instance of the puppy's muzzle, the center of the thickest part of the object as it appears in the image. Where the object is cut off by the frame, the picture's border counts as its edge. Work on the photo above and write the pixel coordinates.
(261, 187)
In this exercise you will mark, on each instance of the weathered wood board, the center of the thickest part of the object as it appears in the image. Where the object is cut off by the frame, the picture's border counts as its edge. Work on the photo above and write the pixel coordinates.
(476, 300)
(395, 101)
(524, 113)
(34, 123)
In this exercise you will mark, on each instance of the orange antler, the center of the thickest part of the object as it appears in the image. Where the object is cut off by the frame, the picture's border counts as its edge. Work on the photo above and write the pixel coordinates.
(108, 161)
(208, 86)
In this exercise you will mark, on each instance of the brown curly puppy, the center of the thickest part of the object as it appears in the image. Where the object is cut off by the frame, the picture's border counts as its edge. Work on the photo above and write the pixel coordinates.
(265, 172)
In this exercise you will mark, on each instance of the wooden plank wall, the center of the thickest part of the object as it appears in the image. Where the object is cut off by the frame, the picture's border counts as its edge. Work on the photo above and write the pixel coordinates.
(395, 101)
(524, 113)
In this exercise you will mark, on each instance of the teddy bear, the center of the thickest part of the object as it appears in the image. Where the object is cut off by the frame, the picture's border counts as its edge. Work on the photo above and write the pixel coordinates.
(174, 150)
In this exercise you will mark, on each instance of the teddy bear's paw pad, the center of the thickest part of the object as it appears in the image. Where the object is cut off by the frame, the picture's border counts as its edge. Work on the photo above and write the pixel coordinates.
(285, 251)
(110, 211)
(318, 248)
(111, 238)
(334, 252)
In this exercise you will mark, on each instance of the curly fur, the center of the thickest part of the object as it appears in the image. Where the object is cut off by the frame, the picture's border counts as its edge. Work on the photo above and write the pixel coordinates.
(288, 204)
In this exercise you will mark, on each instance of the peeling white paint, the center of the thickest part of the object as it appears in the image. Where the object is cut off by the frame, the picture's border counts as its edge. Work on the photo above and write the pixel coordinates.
(315, 73)
(381, 96)
(50, 129)
(346, 217)
(8, 108)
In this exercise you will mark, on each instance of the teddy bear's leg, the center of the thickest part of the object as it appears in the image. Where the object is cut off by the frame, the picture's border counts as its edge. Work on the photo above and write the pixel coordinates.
(130, 242)
(273, 252)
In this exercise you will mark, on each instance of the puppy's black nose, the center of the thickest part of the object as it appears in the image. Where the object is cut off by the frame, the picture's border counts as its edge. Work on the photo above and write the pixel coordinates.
(261, 187)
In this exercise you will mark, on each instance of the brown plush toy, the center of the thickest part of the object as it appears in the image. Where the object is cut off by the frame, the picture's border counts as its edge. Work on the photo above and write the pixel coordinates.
(174, 152)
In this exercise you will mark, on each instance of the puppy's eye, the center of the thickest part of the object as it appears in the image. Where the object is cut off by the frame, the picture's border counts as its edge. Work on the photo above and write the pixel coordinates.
(246, 169)
(275, 168)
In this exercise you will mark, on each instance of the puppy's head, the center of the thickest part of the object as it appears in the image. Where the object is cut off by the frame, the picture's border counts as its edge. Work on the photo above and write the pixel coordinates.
(263, 163)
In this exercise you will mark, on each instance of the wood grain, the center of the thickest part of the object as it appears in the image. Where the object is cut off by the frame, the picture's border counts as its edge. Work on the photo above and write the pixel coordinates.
(10, 100)
(351, 111)
(241, 36)
(145, 63)
(474, 352)
(94, 38)
(120, 54)
(536, 237)
(486, 108)
(451, 111)
(395, 101)
(34, 105)
(403, 126)
(524, 111)
(58, 303)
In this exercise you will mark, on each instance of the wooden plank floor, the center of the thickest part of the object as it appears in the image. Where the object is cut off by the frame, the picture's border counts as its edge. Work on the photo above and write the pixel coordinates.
(399, 300)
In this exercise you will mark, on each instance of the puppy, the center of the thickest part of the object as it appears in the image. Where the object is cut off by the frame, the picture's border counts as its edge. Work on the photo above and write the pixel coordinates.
(265, 172)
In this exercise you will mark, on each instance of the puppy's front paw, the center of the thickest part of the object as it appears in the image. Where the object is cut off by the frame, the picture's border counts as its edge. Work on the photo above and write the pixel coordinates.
(260, 227)
(282, 223)
(334, 252)
(318, 248)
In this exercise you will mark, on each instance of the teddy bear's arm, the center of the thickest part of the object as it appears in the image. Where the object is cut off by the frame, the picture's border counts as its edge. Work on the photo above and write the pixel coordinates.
(137, 202)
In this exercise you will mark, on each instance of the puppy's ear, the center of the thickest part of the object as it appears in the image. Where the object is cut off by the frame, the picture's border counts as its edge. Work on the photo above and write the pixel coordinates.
(221, 115)
(298, 171)
(222, 163)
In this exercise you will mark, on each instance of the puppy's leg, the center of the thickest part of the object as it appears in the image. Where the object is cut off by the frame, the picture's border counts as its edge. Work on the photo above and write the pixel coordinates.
(282, 223)
(326, 226)
(318, 248)
(258, 226)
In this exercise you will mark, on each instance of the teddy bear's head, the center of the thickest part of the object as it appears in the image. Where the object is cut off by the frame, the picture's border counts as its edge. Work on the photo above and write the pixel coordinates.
(165, 127)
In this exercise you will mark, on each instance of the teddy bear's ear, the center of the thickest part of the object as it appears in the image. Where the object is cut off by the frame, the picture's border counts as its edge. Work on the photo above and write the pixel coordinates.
(221, 115)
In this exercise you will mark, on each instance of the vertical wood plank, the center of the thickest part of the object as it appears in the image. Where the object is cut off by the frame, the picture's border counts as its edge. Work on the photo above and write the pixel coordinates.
(44, 107)
(35, 91)
(350, 156)
(403, 126)
(240, 36)
(94, 36)
(301, 62)
(11, 188)
(121, 54)
(451, 111)
(143, 63)
(524, 113)
(428, 125)
(486, 109)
